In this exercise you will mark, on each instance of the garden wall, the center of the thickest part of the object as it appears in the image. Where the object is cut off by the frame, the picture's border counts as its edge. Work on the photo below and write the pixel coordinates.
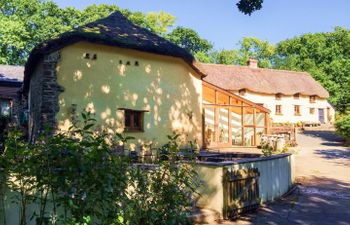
(276, 178)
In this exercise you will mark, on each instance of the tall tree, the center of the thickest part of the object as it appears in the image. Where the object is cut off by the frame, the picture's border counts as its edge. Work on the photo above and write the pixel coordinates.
(258, 49)
(326, 56)
(25, 23)
(190, 40)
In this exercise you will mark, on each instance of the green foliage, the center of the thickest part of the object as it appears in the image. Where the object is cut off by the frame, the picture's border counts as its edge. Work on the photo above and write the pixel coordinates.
(77, 178)
(228, 57)
(258, 49)
(4, 120)
(202, 57)
(255, 48)
(162, 194)
(189, 40)
(326, 56)
(26, 23)
(249, 6)
(343, 127)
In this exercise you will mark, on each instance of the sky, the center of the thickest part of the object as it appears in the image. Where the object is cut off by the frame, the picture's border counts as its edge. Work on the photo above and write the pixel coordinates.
(220, 22)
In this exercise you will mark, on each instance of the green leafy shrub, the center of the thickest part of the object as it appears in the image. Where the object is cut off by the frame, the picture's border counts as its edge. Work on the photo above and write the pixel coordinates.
(4, 120)
(162, 193)
(77, 178)
(343, 127)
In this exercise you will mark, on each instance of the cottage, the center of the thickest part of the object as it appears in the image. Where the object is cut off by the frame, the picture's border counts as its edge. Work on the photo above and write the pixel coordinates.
(291, 96)
(10, 82)
(134, 82)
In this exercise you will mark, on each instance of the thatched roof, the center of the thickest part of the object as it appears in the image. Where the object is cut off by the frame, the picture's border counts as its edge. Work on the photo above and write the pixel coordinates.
(11, 75)
(114, 30)
(268, 81)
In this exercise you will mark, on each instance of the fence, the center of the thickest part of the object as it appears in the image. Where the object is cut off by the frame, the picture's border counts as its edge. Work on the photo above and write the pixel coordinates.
(241, 191)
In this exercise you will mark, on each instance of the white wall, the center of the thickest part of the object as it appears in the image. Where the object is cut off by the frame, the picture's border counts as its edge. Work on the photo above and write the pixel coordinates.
(287, 102)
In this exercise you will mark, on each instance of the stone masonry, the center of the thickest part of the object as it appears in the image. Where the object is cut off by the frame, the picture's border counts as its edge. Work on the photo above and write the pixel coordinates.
(48, 95)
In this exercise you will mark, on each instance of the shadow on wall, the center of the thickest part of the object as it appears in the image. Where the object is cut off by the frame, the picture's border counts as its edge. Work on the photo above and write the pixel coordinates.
(167, 91)
(309, 205)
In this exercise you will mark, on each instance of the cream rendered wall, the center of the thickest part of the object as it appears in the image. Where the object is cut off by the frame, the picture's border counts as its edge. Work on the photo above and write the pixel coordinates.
(166, 87)
(287, 102)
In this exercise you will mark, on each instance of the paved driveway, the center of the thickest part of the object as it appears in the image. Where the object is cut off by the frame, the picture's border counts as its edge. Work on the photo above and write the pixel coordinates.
(323, 196)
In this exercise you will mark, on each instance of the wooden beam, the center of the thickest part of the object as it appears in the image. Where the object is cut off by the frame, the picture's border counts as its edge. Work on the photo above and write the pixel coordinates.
(230, 122)
(216, 118)
(254, 120)
(216, 88)
(204, 144)
(242, 122)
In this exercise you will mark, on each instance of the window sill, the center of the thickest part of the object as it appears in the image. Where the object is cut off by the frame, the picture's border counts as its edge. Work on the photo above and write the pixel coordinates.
(279, 114)
(297, 114)
(134, 130)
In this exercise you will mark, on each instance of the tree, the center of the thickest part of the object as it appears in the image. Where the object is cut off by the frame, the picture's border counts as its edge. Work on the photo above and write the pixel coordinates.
(249, 6)
(326, 56)
(25, 23)
(190, 40)
(258, 49)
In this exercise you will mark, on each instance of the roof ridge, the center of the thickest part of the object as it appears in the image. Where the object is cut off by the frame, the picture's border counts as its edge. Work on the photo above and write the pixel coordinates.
(247, 67)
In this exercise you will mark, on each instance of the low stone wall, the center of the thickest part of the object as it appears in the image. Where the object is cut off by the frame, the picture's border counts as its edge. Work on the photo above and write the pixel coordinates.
(276, 178)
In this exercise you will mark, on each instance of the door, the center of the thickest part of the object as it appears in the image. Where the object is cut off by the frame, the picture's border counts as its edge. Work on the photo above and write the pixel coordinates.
(321, 115)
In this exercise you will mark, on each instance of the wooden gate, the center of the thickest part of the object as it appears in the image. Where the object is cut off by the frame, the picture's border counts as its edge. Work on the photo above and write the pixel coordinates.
(241, 192)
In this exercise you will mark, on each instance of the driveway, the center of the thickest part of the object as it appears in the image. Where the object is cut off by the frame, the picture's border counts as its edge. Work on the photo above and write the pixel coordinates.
(323, 194)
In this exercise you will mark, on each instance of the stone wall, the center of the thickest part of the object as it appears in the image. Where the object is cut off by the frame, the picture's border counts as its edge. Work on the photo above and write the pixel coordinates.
(43, 95)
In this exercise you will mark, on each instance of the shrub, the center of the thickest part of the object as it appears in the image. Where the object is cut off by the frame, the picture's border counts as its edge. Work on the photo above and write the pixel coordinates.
(343, 127)
(77, 178)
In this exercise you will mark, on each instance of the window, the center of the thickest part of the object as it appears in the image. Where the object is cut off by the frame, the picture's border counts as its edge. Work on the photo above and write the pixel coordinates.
(296, 96)
(5, 107)
(278, 110)
(278, 96)
(312, 110)
(133, 120)
(242, 92)
(297, 110)
(312, 99)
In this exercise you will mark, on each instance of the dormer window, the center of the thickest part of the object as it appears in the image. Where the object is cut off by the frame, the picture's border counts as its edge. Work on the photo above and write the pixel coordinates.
(242, 92)
(296, 96)
(312, 98)
(278, 96)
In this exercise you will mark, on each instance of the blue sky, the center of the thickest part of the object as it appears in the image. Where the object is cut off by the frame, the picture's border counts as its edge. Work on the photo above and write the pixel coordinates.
(220, 22)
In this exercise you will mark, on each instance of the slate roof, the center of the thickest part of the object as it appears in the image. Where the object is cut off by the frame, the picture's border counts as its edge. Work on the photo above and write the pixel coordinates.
(268, 81)
(11, 75)
(114, 30)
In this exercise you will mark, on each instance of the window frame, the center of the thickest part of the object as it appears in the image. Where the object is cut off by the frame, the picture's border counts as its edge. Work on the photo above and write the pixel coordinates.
(296, 96)
(312, 111)
(278, 110)
(278, 96)
(312, 98)
(9, 101)
(140, 122)
(297, 110)
(242, 92)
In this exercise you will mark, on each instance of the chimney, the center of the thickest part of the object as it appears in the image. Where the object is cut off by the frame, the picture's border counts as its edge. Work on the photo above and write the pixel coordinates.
(252, 63)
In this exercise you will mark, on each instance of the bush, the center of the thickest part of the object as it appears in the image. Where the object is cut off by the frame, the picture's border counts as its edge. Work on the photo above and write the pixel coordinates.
(4, 120)
(343, 127)
(76, 178)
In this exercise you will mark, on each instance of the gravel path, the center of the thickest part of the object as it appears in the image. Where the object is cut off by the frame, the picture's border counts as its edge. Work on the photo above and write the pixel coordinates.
(323, 195)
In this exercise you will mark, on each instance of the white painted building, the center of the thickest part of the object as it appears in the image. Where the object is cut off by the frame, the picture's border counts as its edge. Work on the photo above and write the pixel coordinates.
(290, 96)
